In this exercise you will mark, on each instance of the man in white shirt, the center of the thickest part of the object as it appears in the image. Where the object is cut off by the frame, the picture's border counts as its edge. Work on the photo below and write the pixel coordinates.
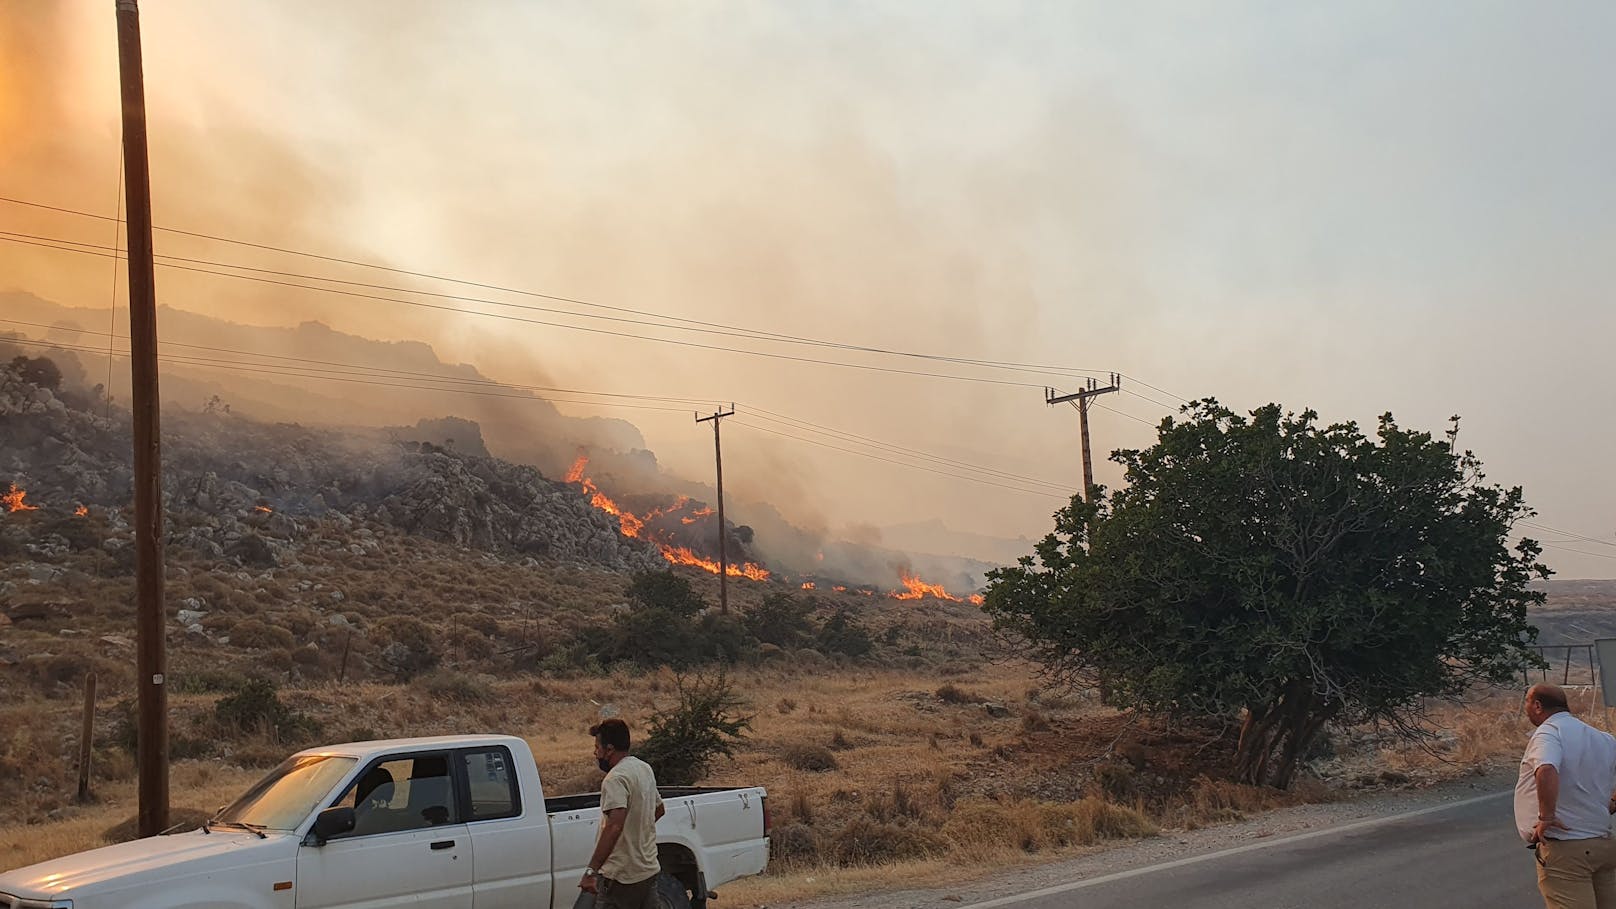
(1563, 802)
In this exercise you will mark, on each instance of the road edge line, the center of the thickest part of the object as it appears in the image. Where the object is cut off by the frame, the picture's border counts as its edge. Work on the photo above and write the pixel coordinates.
(1224, 853)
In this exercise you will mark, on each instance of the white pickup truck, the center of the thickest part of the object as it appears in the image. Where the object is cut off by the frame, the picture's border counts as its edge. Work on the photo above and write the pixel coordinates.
(458, 822)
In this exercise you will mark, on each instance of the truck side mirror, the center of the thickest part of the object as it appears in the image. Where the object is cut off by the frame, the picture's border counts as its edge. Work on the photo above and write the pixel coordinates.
(332, 822)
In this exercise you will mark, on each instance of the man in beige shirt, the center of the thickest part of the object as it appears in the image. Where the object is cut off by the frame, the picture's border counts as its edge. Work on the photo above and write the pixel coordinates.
(623, 871)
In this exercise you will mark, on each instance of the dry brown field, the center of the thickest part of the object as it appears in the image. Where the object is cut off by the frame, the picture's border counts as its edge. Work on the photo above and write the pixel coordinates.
(875, 776)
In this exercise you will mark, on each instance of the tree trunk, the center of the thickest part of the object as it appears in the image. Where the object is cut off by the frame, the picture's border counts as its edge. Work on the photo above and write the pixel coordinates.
(1274, 737)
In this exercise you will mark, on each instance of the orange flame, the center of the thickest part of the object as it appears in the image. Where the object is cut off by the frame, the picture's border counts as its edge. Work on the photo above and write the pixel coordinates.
(576, 472)
(839, 588)
(977, 599)
(681, 555)
(13, 500)
(807, 585)
(915, 588)
(264, 509)
(81, 512)
(633, 525)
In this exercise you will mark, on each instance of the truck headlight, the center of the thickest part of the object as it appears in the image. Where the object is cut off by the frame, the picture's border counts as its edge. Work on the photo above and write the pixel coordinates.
(17, 902)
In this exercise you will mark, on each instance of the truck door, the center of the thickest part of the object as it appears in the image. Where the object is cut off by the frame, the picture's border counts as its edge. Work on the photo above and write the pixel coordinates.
(409, 844)
(510, 832)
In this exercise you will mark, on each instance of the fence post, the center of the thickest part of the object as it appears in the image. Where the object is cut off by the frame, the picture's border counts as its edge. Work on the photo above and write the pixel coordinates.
(86, 737)
(347, 641)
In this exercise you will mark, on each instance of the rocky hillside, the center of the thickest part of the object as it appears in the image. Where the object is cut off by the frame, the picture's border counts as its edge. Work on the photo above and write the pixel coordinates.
(250, 491)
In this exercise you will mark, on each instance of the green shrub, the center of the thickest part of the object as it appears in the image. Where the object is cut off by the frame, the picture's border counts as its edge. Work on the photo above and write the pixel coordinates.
(206, 681)
(723, 639)
(650, 637)
(843, 633)
(687, 738)
(664, 590)
(257, 707)
(780, 620)
(259, 635)
(456, 687)
(407, 646)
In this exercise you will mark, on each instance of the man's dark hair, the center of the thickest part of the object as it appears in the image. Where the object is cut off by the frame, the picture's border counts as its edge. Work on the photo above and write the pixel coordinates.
(612, 733)
(1552, 701)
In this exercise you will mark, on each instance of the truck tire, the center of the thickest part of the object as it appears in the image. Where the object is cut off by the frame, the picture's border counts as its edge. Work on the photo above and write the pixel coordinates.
(671, 894)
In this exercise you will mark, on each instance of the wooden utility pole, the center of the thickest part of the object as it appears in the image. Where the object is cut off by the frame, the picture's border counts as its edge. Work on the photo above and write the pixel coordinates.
(151, 658)
(1080, 400)
(717, 417)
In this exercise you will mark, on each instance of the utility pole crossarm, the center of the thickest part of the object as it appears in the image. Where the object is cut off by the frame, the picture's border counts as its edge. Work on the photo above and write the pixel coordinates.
(717, 417)
(1080, 400)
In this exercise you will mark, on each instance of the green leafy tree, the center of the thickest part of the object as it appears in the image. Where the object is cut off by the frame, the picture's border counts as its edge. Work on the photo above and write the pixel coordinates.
(1282, 573)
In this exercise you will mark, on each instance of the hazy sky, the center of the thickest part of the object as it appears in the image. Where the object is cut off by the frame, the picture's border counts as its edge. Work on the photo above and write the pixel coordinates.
(1351, 207)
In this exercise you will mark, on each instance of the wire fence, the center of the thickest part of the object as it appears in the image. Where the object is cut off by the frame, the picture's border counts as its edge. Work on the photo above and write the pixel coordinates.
(1566, 665)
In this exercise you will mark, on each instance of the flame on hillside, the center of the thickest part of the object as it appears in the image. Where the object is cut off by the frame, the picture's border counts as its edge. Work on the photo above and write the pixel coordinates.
(915, 588)
(576, 472)
(634, 525)
(13, 500)
(81, 512)
(263, 509)
(807, 585)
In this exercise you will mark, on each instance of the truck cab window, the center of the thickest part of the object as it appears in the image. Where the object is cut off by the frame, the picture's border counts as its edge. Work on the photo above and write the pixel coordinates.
(493, 789)
(401, 794)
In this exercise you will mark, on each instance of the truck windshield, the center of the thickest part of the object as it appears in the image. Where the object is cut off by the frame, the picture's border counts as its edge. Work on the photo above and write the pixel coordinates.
(281, 800)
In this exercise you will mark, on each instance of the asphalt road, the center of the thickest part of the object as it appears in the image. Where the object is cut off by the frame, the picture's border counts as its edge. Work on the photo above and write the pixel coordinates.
(1460, 855)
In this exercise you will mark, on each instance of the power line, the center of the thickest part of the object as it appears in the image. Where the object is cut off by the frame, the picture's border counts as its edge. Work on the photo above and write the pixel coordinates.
(774, 417)
(563, 325)
(1570, 533)
(865, 454)
(1597, 555)
(745, 332)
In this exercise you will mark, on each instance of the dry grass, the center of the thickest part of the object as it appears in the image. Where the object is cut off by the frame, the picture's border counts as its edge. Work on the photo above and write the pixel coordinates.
(922, 788)
(1486, 733)
(902, 756)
